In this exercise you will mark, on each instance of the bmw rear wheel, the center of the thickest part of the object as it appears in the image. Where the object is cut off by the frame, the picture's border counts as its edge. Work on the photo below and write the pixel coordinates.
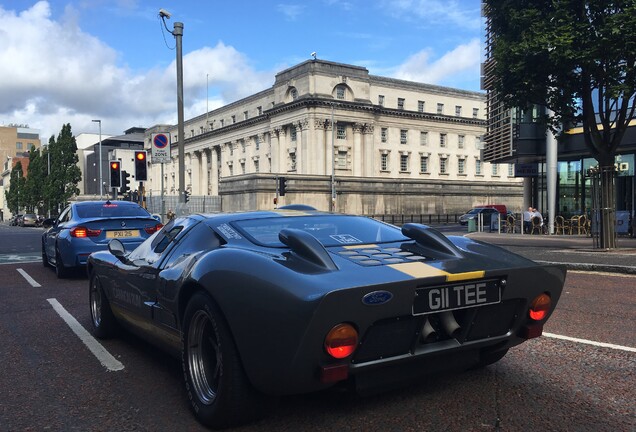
(61, 271)
(102, 318)
(218, 389)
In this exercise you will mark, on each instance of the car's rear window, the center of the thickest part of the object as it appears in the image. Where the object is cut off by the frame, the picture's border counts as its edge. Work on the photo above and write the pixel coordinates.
(329, 230)
(110, 210)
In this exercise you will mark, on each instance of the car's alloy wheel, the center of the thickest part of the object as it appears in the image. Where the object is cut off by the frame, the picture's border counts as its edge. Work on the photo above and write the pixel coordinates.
(218, 389)
(102, 318)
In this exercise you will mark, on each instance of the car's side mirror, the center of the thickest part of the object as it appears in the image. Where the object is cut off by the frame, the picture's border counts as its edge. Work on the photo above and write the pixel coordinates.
(116, 247)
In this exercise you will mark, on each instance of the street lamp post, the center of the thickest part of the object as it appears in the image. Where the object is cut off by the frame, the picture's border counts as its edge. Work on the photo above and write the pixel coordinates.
(101, 183)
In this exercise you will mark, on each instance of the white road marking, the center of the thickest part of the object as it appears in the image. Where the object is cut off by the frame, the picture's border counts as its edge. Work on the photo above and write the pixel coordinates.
(104, 357)
(589, 342)
(28, 278)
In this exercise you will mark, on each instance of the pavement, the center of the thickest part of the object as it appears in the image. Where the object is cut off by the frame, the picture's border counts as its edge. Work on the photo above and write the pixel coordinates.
(577, 252)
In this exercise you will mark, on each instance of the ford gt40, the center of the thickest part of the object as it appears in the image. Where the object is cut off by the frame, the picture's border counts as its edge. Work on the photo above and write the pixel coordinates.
(269, 303)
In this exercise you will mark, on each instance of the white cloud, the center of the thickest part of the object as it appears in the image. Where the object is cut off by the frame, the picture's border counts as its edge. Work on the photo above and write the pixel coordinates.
(53, 72)
(291, 11)
(459, 65)
(441, 13)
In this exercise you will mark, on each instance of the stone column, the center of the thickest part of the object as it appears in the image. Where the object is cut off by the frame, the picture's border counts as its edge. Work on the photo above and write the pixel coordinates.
(205, 173)
(368, 152)
(317, 151)
(214, 174)
(275, 150)
(302, 153)
(356, 158)
(195, 173)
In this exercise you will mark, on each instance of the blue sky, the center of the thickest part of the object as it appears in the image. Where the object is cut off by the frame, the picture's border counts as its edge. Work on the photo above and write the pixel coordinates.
(74, 61)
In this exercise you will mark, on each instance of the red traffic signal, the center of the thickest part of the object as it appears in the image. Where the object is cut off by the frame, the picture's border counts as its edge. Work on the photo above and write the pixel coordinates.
(141, 166)
(115, 173)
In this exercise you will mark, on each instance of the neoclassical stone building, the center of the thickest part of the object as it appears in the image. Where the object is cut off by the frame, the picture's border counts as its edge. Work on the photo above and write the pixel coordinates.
(387, 146)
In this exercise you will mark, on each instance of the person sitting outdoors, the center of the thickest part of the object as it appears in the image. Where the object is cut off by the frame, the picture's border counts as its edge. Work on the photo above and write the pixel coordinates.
(527, 220)
(537, 213)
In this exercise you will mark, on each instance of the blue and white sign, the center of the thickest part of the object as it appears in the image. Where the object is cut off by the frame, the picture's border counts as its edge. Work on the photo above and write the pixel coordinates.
(526, 170)
(160, 148)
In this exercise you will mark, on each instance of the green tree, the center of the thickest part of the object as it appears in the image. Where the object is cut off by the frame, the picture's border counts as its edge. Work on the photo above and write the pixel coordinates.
(577, 58)
(16, 189)
(35, 178)
(61, 184)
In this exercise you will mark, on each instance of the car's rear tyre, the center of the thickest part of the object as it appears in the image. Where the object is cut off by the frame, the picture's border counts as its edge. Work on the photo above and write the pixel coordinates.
(220, 394)
(104, 322)
(60, 271)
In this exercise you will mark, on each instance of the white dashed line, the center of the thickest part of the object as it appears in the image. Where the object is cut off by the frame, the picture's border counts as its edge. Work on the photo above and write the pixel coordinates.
(589, 342)
(29, 279)
(104, 357)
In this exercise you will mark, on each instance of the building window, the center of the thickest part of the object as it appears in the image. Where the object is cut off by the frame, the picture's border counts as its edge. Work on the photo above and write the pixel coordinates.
(340, 92)
(461, 168)
(259, 110)
(511, 170)
(341, 132)
(400, 103)
(30, 146)
(384, 133)
(256, 166)
(440, 108)
(404, 163)
(18, 145)
(242, 146)
(292, 161)
(342, 159)
(257, 142)
(458, 110)
(191, 132)
(477, 167)
(475, 112)
(242, 167)
(201, 130)
(381, 100)
(292, 133)
(384, 162)
(442, 140)
(231, 149)
(245, 115)
(233, 119)
(423, 138)
(460, 141)
(423, 164)
(294, 94)
(420, 106)
(495, 169)
(403, 136)
(231, 170)
(222, 122)
(443, 165)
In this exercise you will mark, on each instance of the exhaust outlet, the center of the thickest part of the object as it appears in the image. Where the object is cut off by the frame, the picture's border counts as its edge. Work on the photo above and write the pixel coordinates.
(428, 333)
(449, 324)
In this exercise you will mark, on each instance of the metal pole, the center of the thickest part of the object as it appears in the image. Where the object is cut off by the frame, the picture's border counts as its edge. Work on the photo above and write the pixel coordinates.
(178, 35)
(101, 181)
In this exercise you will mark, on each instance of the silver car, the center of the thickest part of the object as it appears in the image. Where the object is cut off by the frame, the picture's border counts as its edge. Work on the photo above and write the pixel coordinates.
(29, 219)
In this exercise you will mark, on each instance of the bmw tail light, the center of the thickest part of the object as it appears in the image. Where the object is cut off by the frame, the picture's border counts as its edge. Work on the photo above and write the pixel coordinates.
(81, 232)
(153, 229)
(540, 307)
(341, 341)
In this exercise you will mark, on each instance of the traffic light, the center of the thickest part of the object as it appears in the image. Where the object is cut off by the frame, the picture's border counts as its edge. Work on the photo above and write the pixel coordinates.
(186, 195)
(141, 166)
(282, 186)
(115, 173)
(125, 182)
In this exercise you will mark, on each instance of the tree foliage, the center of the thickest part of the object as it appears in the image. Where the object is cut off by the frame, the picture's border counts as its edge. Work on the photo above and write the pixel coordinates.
(13, 194)
(576, 57)
(65, 174)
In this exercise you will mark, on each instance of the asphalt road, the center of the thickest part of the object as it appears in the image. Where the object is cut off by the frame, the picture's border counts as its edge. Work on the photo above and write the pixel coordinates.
(51, 380)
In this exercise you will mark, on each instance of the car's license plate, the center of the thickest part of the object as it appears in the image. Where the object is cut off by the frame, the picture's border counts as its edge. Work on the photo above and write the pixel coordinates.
(456, 296)
(122, 234)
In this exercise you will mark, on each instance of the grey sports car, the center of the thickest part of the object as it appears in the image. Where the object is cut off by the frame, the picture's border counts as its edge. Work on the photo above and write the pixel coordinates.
(269, 303)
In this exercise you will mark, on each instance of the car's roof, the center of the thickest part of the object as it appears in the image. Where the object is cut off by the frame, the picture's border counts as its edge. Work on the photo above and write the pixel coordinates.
(102, 202)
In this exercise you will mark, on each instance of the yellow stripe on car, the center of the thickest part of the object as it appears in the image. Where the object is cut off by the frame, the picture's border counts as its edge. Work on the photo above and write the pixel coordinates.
(422, 270)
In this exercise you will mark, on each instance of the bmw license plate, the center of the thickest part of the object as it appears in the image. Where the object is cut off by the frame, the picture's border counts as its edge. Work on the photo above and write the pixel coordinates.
(122, 234)
(456, 296)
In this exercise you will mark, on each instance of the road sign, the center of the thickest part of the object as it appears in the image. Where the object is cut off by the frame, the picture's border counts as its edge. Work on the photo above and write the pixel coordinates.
(160, 148)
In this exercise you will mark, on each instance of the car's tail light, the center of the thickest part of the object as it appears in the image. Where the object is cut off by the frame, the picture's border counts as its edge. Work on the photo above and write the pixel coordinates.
(540, 307)
(81, 232)
(153, 229)
(341, 341)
